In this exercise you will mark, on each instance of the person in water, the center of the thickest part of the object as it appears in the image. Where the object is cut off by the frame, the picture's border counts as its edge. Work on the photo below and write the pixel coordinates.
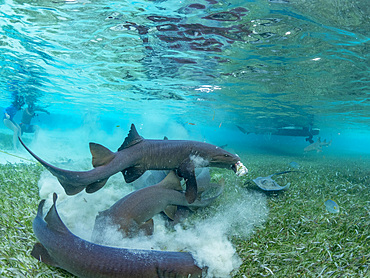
(9, 122)
(27, 116)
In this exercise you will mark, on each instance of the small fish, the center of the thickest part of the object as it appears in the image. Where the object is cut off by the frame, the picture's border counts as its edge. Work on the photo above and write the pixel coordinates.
(241, 129)
(191, 123)
(331, 206)
(117, 125)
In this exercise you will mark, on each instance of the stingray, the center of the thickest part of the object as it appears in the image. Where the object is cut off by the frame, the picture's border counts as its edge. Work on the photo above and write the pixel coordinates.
(268, 184)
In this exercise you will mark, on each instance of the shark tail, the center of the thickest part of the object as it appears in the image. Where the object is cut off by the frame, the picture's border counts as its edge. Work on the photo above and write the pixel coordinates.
(64, 176)
(93, 187)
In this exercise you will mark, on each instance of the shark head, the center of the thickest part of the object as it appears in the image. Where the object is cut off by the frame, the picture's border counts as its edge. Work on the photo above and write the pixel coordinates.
(223, 159)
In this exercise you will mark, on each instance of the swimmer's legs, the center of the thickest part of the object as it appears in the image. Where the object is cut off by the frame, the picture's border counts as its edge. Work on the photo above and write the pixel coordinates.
(16, 132)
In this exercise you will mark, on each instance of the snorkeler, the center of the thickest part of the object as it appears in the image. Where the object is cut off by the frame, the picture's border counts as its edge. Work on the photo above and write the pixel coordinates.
(28, 114)
(9, 122)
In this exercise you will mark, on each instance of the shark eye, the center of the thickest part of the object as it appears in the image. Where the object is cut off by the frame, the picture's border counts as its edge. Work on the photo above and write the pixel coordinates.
(226, 155)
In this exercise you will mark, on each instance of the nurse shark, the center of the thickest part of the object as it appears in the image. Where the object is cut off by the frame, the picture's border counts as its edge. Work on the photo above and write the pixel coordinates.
(134, 212)
(59, 247)
(137, 155)
(317, 146)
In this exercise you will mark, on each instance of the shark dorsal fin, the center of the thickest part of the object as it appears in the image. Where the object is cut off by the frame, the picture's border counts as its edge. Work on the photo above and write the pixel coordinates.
(53, 220)
(100, 155)
(39, 209)
(132, 138)
(171, 181)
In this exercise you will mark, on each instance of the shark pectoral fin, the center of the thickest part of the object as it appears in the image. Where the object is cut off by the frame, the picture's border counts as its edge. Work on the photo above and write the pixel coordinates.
(100, 155)
(132, 173)
(170, 211)
(191, 192)
(91, 188)
(40, 253)
(148, 227)
(186, 170)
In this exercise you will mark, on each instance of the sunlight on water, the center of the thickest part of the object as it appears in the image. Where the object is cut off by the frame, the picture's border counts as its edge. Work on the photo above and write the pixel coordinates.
(162, 54)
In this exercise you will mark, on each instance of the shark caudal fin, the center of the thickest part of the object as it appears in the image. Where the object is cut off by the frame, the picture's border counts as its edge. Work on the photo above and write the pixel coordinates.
(93, 187)
(64, 177)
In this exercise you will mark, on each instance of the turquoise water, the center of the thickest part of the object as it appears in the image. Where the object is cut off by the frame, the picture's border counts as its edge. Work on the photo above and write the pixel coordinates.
(203, 66)
(232, 73)
(193, 70)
